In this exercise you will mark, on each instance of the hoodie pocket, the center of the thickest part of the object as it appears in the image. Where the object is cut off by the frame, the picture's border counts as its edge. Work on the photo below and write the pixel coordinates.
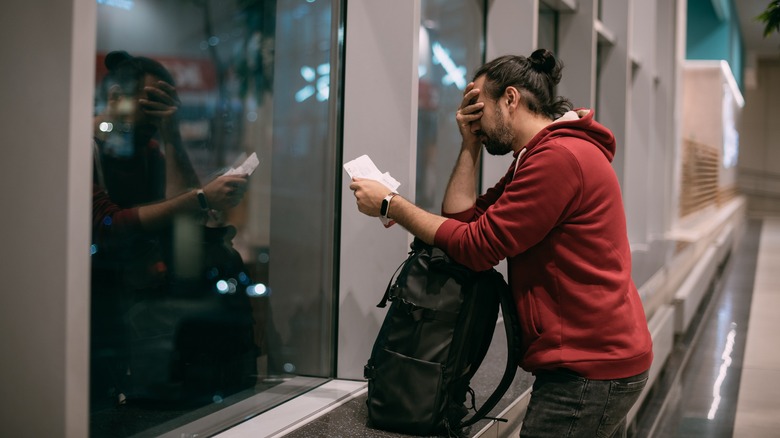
(529, 317)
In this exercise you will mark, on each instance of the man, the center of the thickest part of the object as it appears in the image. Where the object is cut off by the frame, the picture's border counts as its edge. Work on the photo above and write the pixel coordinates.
(557, 217)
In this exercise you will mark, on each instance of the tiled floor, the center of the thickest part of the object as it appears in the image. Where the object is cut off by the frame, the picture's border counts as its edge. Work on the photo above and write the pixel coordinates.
(728, 384)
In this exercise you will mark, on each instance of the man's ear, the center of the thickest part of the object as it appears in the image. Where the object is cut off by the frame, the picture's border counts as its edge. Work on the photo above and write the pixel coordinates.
(511, 97)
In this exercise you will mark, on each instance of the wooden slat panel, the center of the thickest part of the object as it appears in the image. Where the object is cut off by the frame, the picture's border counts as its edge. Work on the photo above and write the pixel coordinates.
(700, 167)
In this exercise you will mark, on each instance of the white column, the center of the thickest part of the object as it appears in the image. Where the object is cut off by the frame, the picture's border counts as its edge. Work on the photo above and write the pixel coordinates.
(681, 19)
(666, 117)
(577, 49)
(638, 179)
(615, 75)
(45, 174)
(380, 119)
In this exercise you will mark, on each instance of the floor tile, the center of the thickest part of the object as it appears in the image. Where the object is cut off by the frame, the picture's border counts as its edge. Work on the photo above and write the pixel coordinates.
(761, 350)
(758, 409)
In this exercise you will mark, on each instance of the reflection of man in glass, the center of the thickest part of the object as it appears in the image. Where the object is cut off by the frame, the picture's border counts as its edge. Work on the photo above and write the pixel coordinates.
(140, 101)
(139, 189)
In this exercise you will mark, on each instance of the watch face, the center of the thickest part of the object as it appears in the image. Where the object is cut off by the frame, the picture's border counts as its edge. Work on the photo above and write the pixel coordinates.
(202, 201)
(383, 209)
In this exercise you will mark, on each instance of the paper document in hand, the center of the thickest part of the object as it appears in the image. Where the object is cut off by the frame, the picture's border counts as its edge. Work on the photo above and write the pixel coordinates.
(247, 167)
(363, 167)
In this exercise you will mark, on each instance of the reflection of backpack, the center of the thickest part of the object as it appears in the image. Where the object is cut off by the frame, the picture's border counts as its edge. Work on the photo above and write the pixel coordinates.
(195, 341)
(434, 337)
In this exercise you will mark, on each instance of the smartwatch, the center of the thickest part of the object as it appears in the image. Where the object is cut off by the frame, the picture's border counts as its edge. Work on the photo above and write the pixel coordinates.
(204, 204)
(385, 208)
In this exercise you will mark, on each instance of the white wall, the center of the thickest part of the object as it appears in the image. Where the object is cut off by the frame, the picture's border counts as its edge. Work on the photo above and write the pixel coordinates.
(48, 71)
(702, 103)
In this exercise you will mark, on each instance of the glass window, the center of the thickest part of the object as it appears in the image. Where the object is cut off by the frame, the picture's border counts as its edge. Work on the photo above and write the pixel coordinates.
(204, 299)
(451, 49)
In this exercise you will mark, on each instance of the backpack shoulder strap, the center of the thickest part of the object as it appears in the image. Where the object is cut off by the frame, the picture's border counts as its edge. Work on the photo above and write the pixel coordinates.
(512, 328)
(393, 278)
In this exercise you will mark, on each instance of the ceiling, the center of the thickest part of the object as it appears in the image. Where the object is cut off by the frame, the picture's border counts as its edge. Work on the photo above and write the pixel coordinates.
(753, 30)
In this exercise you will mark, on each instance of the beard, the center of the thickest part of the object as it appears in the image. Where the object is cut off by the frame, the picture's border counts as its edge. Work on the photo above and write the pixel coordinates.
(499, 140)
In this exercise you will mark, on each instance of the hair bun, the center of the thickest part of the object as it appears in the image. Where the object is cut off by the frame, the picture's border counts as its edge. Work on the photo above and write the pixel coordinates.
(115, 58)
(542, 60)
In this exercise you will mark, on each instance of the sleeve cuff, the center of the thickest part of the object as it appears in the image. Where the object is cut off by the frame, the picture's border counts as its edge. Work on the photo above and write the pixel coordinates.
(463, 216)
(444, 232)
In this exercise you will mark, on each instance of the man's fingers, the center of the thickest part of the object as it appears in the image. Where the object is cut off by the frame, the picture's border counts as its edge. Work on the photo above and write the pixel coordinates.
(169, 91)
(468, 96)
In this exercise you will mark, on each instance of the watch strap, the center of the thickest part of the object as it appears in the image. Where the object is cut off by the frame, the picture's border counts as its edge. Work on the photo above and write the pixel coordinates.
(385, 209)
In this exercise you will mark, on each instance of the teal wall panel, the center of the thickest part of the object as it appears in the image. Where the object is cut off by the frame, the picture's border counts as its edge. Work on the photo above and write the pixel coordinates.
(713, 32)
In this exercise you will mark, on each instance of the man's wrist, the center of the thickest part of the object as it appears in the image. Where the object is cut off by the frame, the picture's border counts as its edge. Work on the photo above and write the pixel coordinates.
(416, 220)
(472, 148)
(384, 209)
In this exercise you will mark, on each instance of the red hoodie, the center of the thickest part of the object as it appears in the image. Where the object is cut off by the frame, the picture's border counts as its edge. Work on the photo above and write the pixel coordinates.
(557, 216)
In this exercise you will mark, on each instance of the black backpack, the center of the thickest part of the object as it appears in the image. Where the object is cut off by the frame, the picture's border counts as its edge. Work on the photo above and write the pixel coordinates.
(432, 341)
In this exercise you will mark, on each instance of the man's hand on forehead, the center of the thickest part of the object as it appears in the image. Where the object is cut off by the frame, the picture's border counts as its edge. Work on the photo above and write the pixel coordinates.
(469, 111)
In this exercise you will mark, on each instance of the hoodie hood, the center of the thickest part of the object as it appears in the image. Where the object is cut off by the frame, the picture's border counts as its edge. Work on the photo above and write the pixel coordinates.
(577, 123)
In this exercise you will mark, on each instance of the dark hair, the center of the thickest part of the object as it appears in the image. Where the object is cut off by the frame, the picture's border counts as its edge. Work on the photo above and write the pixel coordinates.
(535, 77)
(128, 72)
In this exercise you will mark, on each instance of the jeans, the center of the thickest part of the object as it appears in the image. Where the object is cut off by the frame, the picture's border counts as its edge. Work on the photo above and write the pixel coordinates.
(565, 405)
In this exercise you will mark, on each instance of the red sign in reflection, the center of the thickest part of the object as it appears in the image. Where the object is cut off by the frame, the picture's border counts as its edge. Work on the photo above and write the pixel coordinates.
(190, 74)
